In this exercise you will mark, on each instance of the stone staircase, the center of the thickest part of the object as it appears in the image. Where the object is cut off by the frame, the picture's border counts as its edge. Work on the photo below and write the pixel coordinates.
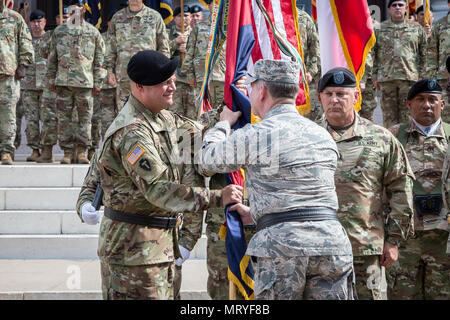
(41, 235)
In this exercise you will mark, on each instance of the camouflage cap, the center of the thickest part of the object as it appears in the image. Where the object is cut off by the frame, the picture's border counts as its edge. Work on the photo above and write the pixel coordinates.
(275, 71)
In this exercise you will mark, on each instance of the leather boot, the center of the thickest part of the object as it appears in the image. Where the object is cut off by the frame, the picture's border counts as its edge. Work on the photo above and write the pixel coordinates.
(91, 152)
(68, 154)
(34, 156)
(46, 155)
(7, 158)
(81, 155)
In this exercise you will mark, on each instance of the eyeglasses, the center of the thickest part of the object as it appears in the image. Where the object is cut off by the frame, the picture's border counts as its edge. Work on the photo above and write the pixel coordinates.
(398, 5)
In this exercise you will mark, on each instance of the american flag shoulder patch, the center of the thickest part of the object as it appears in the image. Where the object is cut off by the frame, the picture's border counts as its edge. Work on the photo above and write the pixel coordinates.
(134, 155)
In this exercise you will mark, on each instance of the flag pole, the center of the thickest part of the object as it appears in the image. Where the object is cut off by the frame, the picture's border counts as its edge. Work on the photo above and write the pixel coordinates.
(182, 23)
(232, 290)
(60, 11)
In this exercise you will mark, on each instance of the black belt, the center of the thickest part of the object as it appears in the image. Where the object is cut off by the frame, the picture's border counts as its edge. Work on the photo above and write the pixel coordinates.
(148, 221)
(300, 215)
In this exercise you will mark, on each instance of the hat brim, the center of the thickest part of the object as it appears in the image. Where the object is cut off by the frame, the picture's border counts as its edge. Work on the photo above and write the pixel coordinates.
(250, 79)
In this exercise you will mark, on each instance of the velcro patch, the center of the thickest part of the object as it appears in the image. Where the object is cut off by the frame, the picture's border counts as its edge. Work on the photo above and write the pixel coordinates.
(135, 154)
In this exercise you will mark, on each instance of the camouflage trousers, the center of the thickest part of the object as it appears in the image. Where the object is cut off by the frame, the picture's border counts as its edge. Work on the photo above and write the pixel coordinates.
(9, 95)
(368, 101)
(423, 268)
(32, 100)
(104, 112)
(123, 91)
(368, 277)
(304, 278)
(72, 134)
(184, 101)
(49, 130)
(148, 282)
(217, 262)
(446, 112)
(393, 102)
(20, 113)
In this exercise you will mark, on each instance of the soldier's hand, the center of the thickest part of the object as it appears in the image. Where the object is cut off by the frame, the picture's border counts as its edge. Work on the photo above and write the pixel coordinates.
(428, 30)
(362, 86)
(20, 72)
(185, 253)
(390, 254)
(240, 84)
(89, 214)
(232, 194)
(182, 48)
(112, 79)
(230, 116)
(244, 213)
(96, 91)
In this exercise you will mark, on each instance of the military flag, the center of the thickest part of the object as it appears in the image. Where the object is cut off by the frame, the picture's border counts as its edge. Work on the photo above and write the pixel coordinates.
(314, 10)
(94, 8)
(164, 7)
(346, 36)
(9, 4)
(426, 9)
(253, 29)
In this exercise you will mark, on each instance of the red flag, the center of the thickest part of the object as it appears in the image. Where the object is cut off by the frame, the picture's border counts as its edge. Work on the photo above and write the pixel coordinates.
(9, 4)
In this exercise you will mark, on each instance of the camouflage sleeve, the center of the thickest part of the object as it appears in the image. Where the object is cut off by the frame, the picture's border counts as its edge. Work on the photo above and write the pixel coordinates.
(89, 186)
(111, 49)
(151, 176)
(368, 67)
(423, 43)
(52, 62)
(432, 55)
(398, 183)
(162, 37)
(188, 63)
(313, 50)
(375, 58)
(98, 61)
(446, 181)
(44, 46)
(25, 50)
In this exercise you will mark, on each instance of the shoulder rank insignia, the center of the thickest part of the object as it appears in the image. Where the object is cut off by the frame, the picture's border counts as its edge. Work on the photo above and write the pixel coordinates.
(134, 155)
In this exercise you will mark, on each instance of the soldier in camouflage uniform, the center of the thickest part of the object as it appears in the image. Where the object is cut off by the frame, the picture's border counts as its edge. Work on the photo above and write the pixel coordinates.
(132, 29)
(437, 53)
(20, 113)
(184, 96)
(16, 53)
(311, 54)
(142, 185)
(423, 268)
(194, 66)
(399, 61)
(371, 161)
(33, 84)
(49, 131)
(420, 18)
(298, 232)
(75, 73)
(105, 107)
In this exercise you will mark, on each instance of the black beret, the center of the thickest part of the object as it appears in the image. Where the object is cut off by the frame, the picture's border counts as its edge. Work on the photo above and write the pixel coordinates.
(392, 1)
(448, 63)
(420, 9)
(177, 10)
(37, 14)
(337, 77)
(195, 8)
(425, 85)
(150, 67)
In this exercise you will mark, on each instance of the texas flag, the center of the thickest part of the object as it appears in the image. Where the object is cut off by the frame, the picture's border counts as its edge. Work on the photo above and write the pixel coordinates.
(346, 35)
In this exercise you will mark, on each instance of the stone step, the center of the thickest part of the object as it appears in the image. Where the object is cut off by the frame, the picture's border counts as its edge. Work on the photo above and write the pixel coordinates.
(79, 280)
(63, 246)
(23, 174)
(58, 198)
(44, 222)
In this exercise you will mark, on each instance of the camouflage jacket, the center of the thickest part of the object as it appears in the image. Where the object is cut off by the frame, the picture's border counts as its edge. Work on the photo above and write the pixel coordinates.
(16, 47)
(399, 53)
(372, 161)
(194, 61)
(139, 175)
(76, 56)
(439, 49)
(426, 157)
(131, 32)
(35, 75)
(310, 43)
(105, 84)
(281, 177)
(173, 34)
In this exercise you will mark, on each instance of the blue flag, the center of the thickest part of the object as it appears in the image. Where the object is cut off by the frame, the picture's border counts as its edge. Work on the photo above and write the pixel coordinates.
(164, 7)
(94, 8)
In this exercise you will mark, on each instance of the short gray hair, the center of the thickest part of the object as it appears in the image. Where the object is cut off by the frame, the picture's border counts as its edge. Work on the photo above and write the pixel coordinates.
(282, 89)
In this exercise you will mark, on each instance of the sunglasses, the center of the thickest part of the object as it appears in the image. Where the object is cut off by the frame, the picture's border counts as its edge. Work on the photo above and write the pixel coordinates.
(398, 5)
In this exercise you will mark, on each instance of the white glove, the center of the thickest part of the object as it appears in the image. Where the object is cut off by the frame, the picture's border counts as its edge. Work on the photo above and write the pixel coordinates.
(185, 253)
(89, 214)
